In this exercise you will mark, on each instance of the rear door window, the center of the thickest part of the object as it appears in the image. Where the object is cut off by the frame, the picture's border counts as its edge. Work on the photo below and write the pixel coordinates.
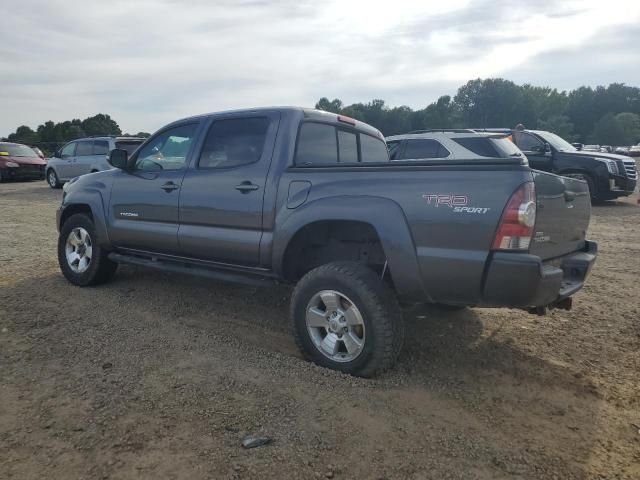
(234, 142)
(100, 147)
(84, 149)
(481, 146)
(373, 149)
(317, 145)
(424, 148)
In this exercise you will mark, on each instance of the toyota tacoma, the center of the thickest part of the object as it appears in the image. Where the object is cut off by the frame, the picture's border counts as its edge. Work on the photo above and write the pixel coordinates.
(311, 199)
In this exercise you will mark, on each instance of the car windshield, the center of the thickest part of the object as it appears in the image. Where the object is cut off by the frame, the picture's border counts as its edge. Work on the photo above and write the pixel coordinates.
(16, 150)
(557, 142)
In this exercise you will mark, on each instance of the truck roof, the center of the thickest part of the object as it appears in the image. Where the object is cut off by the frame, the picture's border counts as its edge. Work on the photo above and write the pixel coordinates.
(310, 114)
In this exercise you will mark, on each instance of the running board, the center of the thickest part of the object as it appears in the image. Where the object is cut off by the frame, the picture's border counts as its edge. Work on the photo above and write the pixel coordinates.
(190, 269)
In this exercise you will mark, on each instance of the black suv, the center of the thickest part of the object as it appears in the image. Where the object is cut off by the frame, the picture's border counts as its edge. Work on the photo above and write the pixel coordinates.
(609, 175)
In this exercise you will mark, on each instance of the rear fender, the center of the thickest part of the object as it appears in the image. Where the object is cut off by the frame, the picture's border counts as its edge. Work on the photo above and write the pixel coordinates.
(385, 216)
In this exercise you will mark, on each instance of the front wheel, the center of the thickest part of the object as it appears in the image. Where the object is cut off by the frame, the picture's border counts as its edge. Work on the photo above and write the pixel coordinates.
(593, 191)
(82, 261)
(344, 317)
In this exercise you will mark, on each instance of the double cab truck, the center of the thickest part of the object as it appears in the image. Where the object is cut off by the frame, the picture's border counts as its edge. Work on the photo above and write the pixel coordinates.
(309, 198)
(608, 175)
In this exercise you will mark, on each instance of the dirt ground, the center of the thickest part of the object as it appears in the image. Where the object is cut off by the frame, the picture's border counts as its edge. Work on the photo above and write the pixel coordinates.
(161, 376)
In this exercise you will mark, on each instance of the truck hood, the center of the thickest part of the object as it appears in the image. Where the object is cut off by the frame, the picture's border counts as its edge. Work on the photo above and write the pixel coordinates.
(602, 155)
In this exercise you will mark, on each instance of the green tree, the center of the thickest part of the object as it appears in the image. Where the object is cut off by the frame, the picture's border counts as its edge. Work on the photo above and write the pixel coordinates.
(630, 124)
(334, 106)
(560, 125)
(100, 124)
(25, 135)
(607, 131)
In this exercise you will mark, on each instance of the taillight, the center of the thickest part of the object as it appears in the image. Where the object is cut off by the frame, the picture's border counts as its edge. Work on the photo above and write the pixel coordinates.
(517, 221)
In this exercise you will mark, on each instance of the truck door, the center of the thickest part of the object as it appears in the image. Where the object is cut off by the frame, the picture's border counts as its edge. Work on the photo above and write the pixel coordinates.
(540, 158)
(223, 190)
(143, 211)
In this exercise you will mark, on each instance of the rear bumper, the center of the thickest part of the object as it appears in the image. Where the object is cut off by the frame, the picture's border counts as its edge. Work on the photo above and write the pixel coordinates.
(523, 280)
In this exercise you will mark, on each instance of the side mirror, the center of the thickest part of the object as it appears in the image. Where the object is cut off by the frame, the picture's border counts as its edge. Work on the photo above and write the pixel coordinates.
(118, 158)
(57, 154)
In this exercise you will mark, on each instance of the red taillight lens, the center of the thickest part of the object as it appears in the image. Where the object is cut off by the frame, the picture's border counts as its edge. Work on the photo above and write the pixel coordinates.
(518, 219)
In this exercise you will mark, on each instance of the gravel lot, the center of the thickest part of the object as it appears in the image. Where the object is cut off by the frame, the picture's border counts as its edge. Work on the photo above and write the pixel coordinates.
(161, 376)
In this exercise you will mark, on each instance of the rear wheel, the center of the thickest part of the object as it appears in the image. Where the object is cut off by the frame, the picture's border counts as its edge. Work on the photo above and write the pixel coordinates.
(52, 179)
(82, 261)
(344, 317)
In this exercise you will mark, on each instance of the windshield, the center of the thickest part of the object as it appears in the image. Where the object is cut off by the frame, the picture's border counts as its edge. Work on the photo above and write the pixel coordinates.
(129, 145)
(16, 150)
(557, 142)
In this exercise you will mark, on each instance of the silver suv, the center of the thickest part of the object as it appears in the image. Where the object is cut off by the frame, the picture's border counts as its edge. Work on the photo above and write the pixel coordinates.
(85, 155)
(453, 144)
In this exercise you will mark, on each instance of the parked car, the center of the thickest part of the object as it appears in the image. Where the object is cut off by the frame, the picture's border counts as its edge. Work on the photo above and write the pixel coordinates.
(38, 152)
(451, 144)
(304, 197)
(634, 151)
(18, 161)
(85, 155)
(621, 150)
(608, 175)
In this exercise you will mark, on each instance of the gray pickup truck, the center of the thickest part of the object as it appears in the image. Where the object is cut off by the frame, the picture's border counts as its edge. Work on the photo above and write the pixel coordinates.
(304, 197)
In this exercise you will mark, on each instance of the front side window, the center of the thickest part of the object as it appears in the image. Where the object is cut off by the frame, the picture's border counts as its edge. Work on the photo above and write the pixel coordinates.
(317, 145)
(168, 150)
(68, 150)
(373, 149)
(234, 142)
(100, 147)
(424, 148)
(527, 142)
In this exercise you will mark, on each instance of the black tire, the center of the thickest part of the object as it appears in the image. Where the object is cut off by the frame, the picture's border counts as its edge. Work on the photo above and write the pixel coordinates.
(52, 179)
(377, 304)
(100, 268)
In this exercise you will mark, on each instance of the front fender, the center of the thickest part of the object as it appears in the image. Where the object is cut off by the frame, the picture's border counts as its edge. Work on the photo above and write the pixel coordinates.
(384, 215)
(87, 194)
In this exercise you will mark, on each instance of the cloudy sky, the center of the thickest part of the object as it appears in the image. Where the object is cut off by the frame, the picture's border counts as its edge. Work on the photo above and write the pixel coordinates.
(148, 62)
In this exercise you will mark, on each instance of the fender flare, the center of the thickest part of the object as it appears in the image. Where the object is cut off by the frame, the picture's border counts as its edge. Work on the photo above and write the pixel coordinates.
(385, 216)
(90, 196)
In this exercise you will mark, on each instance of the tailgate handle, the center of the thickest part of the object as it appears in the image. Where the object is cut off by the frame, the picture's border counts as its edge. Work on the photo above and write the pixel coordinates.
(569, 196)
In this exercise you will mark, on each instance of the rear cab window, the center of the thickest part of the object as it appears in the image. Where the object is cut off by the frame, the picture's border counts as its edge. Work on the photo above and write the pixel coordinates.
(323, 144)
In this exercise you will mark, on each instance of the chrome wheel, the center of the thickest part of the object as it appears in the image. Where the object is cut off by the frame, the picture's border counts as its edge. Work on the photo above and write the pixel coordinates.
(78, 250)
(335, 325)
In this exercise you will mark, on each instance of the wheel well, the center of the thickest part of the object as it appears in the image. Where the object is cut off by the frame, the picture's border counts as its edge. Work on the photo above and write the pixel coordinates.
(73, 209)
(333, 240)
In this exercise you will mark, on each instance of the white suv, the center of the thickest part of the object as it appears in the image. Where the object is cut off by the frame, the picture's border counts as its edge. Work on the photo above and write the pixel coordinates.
(85, 155)
(451, 145)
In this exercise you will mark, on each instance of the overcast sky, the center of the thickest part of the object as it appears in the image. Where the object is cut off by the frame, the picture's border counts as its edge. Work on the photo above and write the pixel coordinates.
(148, 62)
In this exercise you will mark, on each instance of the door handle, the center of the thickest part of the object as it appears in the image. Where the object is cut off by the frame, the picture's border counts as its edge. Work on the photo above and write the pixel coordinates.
(169, 187)
(246, 187)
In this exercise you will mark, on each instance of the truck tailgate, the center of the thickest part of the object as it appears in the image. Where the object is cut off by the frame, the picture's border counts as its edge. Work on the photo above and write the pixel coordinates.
(563, 211)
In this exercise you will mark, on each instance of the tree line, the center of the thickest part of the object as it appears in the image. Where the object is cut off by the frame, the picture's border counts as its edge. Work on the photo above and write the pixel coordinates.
(49, 136)
(602, 115)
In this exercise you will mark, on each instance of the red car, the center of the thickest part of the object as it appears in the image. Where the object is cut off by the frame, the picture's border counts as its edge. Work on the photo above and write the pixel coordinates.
(20, 162)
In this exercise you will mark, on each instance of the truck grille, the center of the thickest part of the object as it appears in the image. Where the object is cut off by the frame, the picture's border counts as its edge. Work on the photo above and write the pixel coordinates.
(630, 168)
